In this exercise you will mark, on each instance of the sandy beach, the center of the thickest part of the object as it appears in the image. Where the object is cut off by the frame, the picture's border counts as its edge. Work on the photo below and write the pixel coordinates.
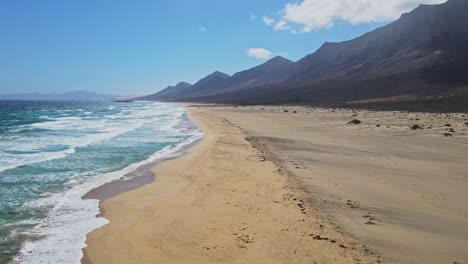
(299, 185)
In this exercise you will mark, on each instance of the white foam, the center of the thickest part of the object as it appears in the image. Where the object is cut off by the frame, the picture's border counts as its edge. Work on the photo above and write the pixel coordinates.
(27, 159)
(71, 218)
(106, 128)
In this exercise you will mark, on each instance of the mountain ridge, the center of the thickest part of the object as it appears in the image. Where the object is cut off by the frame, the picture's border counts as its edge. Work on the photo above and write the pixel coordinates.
(422, 55)
(217, 80)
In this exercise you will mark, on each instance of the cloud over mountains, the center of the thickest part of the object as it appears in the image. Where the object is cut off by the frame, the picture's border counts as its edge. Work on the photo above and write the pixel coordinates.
(259, 53)
(309, 15)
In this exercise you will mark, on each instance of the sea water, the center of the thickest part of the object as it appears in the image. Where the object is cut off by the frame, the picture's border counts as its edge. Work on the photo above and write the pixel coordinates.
(53, 153)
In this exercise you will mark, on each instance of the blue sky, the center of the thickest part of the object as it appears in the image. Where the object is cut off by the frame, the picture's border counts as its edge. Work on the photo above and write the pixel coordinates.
(139, 47)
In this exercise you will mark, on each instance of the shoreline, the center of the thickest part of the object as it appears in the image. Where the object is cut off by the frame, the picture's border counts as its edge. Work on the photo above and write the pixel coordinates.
(223, 202)
(296, 186)
(142, 175)
(145, 175)
(129, 137)
(139, 177)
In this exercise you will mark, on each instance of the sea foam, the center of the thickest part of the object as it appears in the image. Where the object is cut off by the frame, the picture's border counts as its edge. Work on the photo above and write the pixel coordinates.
(98, 129)
(62, 234)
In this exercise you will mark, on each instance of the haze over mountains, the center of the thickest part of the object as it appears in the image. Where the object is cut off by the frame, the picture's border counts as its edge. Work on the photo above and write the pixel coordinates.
(68, 96)
(420, 58)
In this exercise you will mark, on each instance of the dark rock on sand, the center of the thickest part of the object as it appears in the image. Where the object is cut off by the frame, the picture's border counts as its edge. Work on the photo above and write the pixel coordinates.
(414, 127)
(355, 122)
(318, 237)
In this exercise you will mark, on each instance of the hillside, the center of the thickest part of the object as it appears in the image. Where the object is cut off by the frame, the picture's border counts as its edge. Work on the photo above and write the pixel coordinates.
(421, 56)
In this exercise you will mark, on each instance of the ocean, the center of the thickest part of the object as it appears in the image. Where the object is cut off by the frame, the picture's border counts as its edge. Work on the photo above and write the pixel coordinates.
(53, 153)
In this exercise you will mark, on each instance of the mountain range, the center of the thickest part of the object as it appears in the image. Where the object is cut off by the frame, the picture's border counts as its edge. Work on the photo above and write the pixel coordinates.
(418, 61)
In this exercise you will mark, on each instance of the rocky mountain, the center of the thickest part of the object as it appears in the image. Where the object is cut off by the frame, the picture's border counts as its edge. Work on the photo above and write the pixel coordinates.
(167, 92)
(215, 81)
(423, 56)
(273, 70)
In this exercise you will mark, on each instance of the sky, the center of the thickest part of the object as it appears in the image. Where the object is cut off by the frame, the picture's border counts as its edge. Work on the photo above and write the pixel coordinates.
(139, 47)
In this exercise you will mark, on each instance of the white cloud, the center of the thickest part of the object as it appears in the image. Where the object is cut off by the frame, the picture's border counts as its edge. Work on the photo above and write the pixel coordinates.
(202, 29)
(259, 53)
(268, 21)
(282, 25)
(315, 14)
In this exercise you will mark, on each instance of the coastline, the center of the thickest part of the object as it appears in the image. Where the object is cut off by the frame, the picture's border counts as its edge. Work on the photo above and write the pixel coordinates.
(223, 202)
(140, 176)
(296, 184)
(156, 130)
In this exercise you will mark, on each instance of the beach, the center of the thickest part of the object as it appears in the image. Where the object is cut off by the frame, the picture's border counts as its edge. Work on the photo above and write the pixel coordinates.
(53, 153)
(273, 184)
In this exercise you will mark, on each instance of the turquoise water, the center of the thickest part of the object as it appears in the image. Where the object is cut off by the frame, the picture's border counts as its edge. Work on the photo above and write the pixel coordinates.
(52, 153)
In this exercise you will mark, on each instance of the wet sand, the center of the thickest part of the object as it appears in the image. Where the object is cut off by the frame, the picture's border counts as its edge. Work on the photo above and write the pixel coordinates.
(141, 176)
